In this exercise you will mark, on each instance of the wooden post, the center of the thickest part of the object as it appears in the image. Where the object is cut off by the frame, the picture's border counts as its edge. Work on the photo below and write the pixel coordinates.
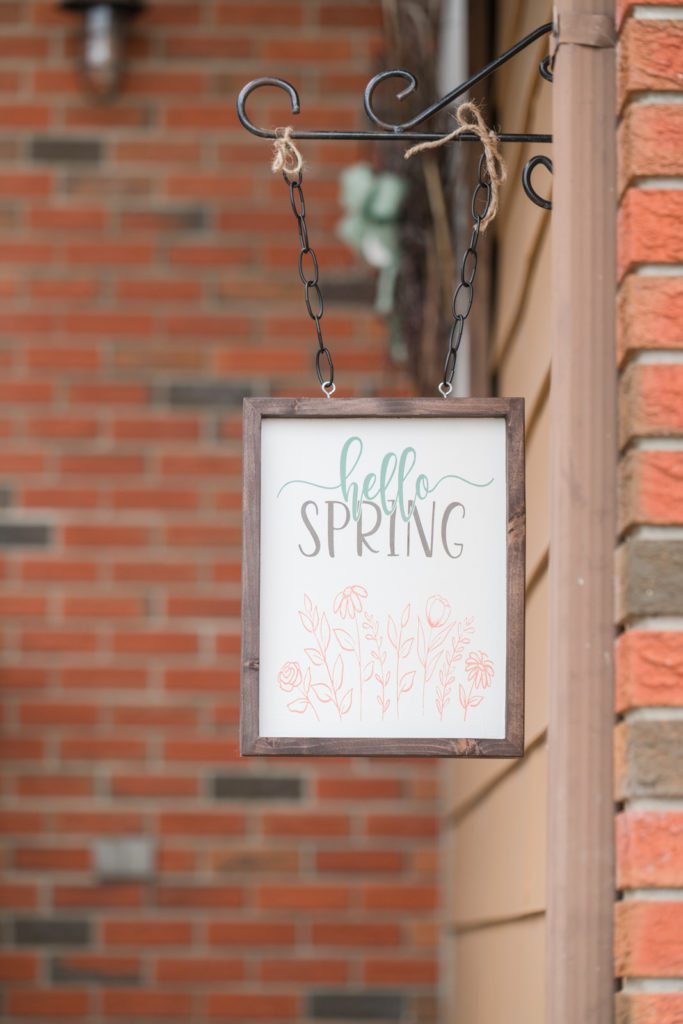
(580, 983)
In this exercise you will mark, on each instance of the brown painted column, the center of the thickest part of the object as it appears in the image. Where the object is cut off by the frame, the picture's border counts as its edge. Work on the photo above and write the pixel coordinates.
(580, 864)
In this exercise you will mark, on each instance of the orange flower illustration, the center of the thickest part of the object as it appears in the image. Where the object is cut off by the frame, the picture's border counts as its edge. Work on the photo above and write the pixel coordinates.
(349, 601)
(437, 611)
(479, 669)
(289, 676)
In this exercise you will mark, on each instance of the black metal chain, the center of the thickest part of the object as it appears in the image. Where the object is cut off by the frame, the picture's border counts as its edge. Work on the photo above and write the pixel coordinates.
(313, 296)
(464, 292)
(463, 296)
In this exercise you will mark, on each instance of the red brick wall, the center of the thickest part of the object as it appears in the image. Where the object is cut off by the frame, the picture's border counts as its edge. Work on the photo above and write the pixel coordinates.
(649, 735)
(148, 281)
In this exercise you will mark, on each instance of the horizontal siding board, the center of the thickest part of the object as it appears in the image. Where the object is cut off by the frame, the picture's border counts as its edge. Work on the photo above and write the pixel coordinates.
(520, 230)
(516, 82)
(499, 974)
(498, 853)
(525, 364)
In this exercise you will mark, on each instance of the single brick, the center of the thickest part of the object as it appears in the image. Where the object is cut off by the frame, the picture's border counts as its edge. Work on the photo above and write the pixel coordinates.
(61, 149)
(170, 218)
(85, 896)
(651, 401)
(255, 787)
(207, 393)
(649, 757)
(651, 488)
(303, 897)
(140, 932)
(649, 1008)
(18, 967)
(201, 970)
(648, 228)
(254, 860)
(400, 896)
(403, 971)
(45, 859)
(96, 969)
(648, 939)
(199, 896)
(650, 57)
(33, 534)
(649, 669)
(650, 313)
(362, 1006)
(133, 1004)
(305, 824)
(305, 971)
(650, 578)
(648, 142)
(49, 1003)
(649, 849)
(36, 931)
(359, 862)
(202, 823)
(251, 933)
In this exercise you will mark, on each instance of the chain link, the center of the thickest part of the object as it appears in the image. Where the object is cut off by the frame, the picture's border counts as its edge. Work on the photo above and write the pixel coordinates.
(309, 275)
(463, 296)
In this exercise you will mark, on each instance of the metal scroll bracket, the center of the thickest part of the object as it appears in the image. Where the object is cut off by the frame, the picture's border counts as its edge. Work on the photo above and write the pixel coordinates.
(404, 132)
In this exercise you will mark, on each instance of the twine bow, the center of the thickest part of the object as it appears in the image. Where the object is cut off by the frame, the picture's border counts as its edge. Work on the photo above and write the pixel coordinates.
(286, 155)
(469, 119)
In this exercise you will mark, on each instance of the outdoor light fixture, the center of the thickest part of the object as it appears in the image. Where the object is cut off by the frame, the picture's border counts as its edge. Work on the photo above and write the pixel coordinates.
(103, 40)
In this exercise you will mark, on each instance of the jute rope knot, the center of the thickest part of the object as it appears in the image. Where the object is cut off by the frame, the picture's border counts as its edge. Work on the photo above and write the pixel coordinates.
(286, 155)
(469, 119)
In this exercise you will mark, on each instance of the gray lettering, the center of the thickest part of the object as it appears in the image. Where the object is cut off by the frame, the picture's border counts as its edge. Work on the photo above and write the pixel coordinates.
(309, 526)
(444, 528)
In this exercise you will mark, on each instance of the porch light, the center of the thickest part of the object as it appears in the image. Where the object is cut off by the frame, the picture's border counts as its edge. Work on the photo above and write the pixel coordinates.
(104, 40)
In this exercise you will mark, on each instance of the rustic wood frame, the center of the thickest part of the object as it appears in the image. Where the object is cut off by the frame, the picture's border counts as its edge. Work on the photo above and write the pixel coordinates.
(257, 409)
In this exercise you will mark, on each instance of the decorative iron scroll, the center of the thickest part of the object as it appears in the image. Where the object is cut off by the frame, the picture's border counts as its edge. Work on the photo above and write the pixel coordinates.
(405, 130)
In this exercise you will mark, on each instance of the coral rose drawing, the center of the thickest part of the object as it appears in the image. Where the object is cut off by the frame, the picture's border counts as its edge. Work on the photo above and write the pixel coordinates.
(290, 678)
(358, 659)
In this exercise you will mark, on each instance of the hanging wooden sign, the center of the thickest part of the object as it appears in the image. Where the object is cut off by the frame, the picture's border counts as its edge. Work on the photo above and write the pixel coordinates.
(383, 577)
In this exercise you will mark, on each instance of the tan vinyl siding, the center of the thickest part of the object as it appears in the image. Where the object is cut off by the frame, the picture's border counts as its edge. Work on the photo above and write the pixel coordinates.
(496, 814)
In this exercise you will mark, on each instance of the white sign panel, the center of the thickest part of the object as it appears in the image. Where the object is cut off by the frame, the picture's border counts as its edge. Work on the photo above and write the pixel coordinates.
(379, 614)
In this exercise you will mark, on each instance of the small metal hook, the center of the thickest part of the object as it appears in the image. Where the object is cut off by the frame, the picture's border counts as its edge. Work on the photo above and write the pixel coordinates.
(407, 76)
(531, 192)
(545, 68)
(279, 83)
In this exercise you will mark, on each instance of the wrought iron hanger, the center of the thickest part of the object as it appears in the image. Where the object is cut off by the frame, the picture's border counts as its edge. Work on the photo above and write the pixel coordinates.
(405, 130)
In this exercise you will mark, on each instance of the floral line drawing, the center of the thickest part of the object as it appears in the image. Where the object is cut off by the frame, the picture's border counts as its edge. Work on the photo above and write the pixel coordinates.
(290, 678)
(378, 658)
(329, 692)
(451, 658)
(431, 640)
(349, 604)
(479, 672)
(404, 683)
(351, 643)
